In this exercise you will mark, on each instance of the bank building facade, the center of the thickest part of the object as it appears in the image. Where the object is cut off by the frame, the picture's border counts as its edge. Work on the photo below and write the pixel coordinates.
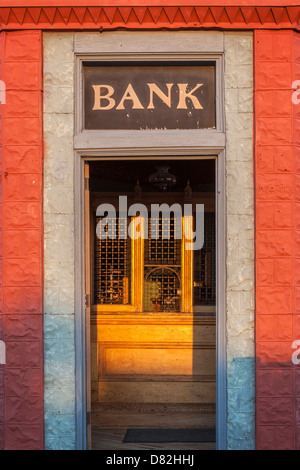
(150, 225)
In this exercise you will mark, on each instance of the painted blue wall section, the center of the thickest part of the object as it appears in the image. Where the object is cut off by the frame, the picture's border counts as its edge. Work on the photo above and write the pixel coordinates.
(59, 398)
(241, 404)
(240, 247)
(59, 261)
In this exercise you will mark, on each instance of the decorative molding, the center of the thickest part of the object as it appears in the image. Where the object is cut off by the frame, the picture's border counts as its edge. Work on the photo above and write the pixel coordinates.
(154, 319)
(163, 139)
(154, 378)
(150, 17)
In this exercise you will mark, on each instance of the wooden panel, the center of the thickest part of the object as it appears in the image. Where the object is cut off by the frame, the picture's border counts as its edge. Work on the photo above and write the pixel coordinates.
(141, 139)
(126, 415)
(204, 334)
(154, 392)
(155, 359)
(149, 408)
(140, 41)
(184, 328)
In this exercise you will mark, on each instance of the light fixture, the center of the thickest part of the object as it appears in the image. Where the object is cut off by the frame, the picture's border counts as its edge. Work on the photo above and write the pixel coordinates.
(162, 178)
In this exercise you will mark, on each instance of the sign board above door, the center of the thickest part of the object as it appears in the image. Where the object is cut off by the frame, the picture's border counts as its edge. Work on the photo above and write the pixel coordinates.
(149, 97)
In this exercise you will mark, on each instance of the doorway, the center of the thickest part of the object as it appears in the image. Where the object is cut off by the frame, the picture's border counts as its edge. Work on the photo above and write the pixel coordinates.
(152, 305)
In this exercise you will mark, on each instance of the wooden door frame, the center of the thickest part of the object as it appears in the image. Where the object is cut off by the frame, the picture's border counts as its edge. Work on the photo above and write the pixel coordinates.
(142, 47)
(82, 379)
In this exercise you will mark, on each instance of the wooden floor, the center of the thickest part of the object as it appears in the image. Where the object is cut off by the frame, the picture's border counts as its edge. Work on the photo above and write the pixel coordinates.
(110, 422)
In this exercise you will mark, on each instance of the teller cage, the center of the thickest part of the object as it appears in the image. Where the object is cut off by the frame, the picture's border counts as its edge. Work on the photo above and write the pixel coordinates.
(153, 299)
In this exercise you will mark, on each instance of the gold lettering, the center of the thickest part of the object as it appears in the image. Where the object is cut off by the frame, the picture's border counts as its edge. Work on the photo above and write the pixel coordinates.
(165, 98)
(131, 95)
(99, 97)
(183, 95)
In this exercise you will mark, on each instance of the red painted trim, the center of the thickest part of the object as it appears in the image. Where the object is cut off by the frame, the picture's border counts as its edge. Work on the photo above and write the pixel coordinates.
(150, 16)
(22, 201)
(277, 182)
(70, 3)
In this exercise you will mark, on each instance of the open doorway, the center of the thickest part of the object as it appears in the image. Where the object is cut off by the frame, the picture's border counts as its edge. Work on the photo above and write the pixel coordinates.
(152, 305)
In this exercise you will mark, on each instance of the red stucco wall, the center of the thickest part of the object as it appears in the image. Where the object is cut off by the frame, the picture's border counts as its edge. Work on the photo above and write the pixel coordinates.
(21, 382)
(277, 160)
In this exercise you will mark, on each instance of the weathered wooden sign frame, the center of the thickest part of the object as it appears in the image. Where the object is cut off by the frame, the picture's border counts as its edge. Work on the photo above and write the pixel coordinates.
(147, 96)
